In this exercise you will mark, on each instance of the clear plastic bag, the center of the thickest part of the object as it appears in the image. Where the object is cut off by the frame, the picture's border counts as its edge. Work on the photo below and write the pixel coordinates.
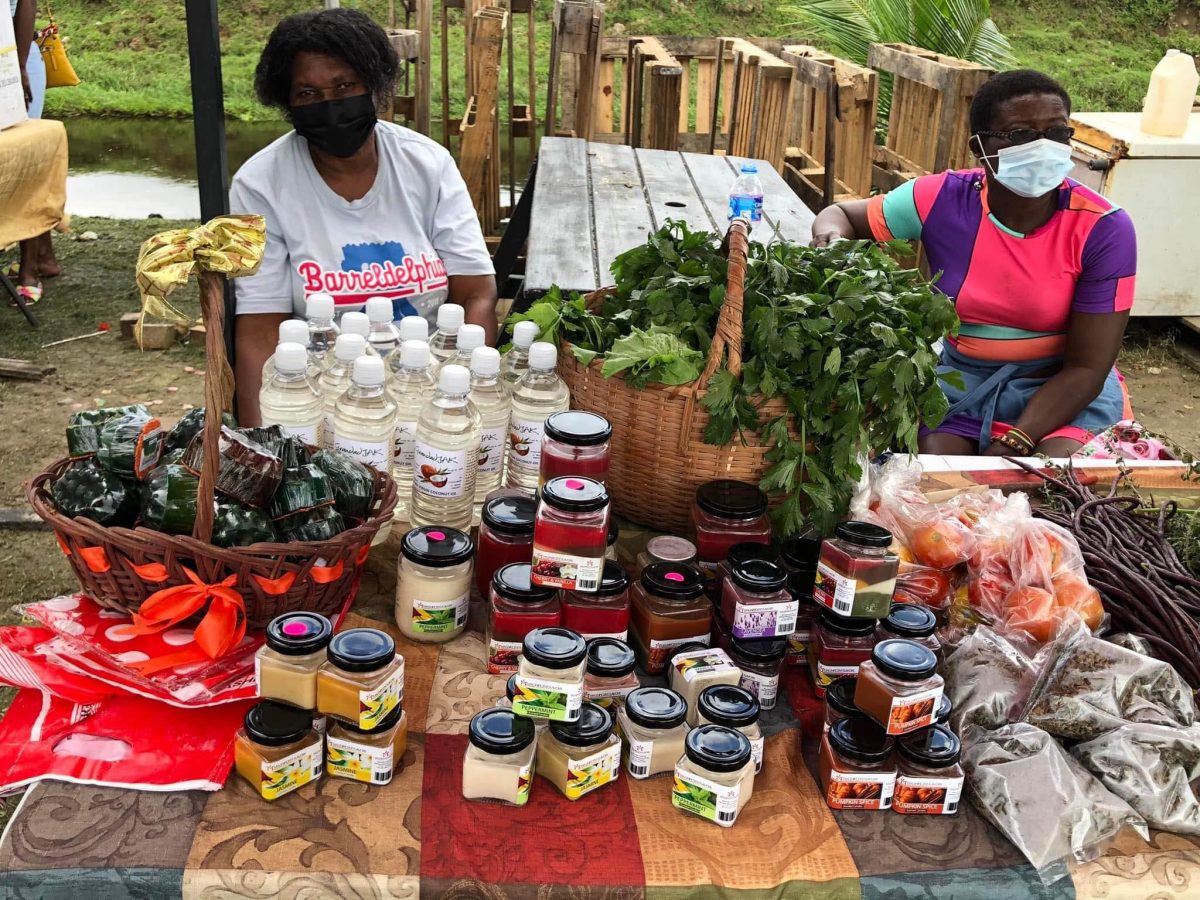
(1154, 768)
(984, 679)
(248, 471)
(1041, 799)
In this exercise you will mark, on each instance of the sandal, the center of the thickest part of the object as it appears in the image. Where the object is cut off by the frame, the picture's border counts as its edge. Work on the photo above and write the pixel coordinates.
(30, 293)
(14, 270)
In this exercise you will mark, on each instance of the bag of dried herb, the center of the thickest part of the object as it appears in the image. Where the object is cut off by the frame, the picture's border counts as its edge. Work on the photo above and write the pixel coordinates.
(1154, 768)
(89, 490)
(1086, 687)
(1041, 799)
(984, 679)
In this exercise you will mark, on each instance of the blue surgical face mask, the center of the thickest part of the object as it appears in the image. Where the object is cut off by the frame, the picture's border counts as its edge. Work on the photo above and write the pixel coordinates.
(1033, 169)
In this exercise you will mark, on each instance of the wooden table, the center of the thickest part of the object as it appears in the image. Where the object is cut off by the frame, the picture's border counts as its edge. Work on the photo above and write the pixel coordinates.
(594, 201)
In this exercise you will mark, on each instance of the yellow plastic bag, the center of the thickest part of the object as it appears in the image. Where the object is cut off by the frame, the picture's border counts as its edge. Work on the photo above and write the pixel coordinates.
(59, 71)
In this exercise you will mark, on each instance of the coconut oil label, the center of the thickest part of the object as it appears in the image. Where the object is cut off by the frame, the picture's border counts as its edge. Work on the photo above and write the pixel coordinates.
(525, 442)
(540, 698)
(285, 775)
(376, 454)
(706, 799)
(307, 433)
(927, 796)
(375, 705)
(439, 616)
(764, 687)
(586, 774)
(359, 762)
(860, 790)
(439, 473)
(404, 447)
(764, 620)
(914, 711)
(491, 449)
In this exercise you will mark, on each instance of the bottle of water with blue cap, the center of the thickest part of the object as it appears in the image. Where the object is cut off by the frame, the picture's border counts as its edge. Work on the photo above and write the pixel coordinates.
(746, 195)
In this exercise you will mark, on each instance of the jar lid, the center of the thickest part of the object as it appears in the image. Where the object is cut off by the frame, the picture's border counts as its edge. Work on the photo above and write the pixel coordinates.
(614, 532)
(512, 583)
(846, 625)
(728, 705)
(437, 546)
(758, 575)
(840, 696)
(510, 515)
(656, 707)
(904, 659)
(668, 548)
(935, 746)
(944, 708)
(554, 648)
(864, 534)
(390, 721)
(578, 428)
(275, 724)
(859, 738)
(910, 620)
(510, 687)
(361, 649)
(594, 725)
(801, 552)
(608, 657)
(574, 494)
(613, 580)
(299, 633)
(673, 581)
(731, 499)
(760, 651)
(500, 731)
(717, 748)
(689, 647)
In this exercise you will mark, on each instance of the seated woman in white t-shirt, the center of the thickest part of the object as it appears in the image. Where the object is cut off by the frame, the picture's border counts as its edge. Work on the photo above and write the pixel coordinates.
(355, 207)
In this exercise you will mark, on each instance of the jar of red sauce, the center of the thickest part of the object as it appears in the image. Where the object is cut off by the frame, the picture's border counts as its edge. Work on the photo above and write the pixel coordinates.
(516, 607)
(575, 443)
(667, 609)
(856, 575)
(839, 646)
(725, 513)
(604, 613)
(505, 536)
(570, 534)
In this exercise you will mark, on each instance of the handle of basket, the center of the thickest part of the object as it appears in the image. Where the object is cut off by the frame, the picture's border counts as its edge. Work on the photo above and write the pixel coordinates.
(218, 396)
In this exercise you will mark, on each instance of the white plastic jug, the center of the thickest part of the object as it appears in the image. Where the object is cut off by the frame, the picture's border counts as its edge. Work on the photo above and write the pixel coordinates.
(1171, 94)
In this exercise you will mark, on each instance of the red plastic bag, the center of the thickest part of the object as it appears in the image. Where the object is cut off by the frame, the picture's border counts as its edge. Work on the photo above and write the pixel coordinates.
(23, 666)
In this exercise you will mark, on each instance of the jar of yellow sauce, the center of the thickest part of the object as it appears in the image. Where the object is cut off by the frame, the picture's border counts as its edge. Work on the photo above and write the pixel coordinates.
(579, 756)
(370, 755)
(363, 679)
(276, 749)
(286, 666)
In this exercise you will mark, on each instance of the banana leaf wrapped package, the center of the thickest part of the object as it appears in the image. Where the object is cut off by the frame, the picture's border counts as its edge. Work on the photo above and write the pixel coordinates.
(83, 428)
(169, 499)
(352, 482)
(248, 471)
(130, 444)
(89, 490)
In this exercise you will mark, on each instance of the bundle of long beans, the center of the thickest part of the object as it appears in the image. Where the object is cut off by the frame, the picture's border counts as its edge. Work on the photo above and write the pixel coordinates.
(1146, 589)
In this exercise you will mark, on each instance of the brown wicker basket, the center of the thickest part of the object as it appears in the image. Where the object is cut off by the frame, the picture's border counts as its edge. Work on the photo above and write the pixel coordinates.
(120, 567)
(658, 454)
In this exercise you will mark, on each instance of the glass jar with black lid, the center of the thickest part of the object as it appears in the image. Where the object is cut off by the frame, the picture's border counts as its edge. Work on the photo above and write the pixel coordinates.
(516, 607)
(550, 675)
(286, 665)
(276, 750)
(761, 663)
(930, 778)
(839, 701)
(739, 553)
(724, 513)
(668, 608)
(362, 681)
(609, 676)
(433, 585)
(505, 536)
(899, 686)
(855, 765)
(603, 612)
(653, 724)
(736, 708)
(755, 601)
(498, 764)
(913, 621)
(798, 556)
(575, 443)
(715, 777)
(570, 534)
(580, 756)
(839, 646)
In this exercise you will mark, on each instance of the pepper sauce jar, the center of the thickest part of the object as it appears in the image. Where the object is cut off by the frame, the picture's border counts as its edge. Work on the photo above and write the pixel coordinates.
(667, 608)
(498, 764)
(736, 708)
(755, 601)
(363, 679)
(505, 536)
(725, 513)
(838, 648)
(930, 780)
(369, 755)
(715, 778)
(285, 667)
(913, 622)
(761, 663)
(575, 444)
(550, 675)
(276, 750)
(603, 613)
(609, 677)
(516, 607)
(580, 756)
(899, 686)
(855, 765)
(570, 534)
(856, 575)
(433, 586)
(653, 723)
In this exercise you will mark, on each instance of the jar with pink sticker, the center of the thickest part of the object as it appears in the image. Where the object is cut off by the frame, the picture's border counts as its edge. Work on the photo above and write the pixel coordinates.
(286, 666)
(570, 535)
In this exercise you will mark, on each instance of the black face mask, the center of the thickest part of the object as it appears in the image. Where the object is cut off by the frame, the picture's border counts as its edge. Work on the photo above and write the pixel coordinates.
(338, 127)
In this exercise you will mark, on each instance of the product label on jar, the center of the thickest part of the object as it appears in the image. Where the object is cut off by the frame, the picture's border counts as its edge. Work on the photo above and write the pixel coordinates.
(376, 454)
(440, 616)
(706, 799)
(374, 705)
(694, 663)
(540, 698)
(439, 473)
(660, 651)
(764, 620)
(927, 796)
(361, 763)
(525, 441)
(502, 656)
(306, 433)
(605, 696)
(797, 652)
(764, 687)
(640, 753)
(827, 675)
(708, 568)
(586, 774)
(619, 635)
(860, 790)
(913, 711)
(562, 570)
(285, 775)
(491, 449)
(834, 590)
(524, 782)
(756, 753)
(404, 444)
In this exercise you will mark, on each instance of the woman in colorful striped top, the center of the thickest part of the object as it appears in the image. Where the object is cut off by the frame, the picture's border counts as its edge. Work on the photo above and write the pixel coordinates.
(1040, 268)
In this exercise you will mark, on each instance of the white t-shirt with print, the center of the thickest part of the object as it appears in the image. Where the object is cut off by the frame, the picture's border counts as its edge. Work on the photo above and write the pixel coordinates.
(415, 227)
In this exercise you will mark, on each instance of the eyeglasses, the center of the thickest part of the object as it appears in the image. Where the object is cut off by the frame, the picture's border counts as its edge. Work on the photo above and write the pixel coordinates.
(1060, 134)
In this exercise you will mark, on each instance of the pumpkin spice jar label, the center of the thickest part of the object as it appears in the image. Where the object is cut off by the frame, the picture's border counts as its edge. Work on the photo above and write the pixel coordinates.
(439, 473)
(916, 795)
(860, 790)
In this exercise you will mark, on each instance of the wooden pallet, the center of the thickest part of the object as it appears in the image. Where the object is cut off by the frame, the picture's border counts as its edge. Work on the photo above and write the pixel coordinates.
(655, 80)
(761, 103)
(575, 39)
(480, 152)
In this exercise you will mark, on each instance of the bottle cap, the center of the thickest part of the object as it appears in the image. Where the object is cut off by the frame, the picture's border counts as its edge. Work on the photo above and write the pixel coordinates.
(291, 358)
(656, 707)
(470, 337)
(319, 306)
(668, 548)
(293, 331)
(728, 705)
(729, 499)
(760, 576)
(414, 354)
(454, 380)
(299, 633)
(512, 582)
(577, 428)
(864, 534)
(573, 494)
(749, 168)
(594, 725)
(276, 724)
(450, 317)
(674, 581)
(840, 696)
(845, 625)
(554, 647)
(744, 551)
(437, 546)
(542, 355)
(361, 649)
(414, 328)
(355, 323)
(368, 371)
(524, 334)
(904, 659)
(910, 620)
(717, 748)
(485, 361)
(379, 309)
(608, 657)
(936, 747)
(861, 739)
(761, 652)
(510, 515)
(349, 347)
(500, 731)
(613, 580)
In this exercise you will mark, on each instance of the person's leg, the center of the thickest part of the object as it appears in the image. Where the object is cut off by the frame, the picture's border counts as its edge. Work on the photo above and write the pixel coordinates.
(1059, 447)
(28, 274)
(942, 443)
(48, 265)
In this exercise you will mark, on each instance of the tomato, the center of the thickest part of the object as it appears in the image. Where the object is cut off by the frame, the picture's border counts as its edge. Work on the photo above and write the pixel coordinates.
(930, 586)
(1072, 592)
(988, 591)
(1032, 609)
(941, 544)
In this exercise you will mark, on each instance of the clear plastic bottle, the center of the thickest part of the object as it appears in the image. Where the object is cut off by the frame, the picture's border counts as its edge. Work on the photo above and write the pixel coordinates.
(293, 331)
(445, 340)
(364, 417)
(469, 337)
(322, 329)
(493, 399)
(411, 387)
(335, 379)
(358, 323)
(383, 336)
(516, 361)
(746, 195)
(291, 398)
(414, 328)
(1170, 96)
(446, 454)
(539, 393)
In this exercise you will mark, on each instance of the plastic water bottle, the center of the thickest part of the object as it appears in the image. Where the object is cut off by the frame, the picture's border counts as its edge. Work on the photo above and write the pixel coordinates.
(516, 361)
(493, 399)
(746, 195)
(445, 341)
(365, 417)
(335, 378)
(539, 393)
(358, 323)
(290, 397)
(322, 330)
(446, 457)
(294, 331)
(384, 337)
(411, 387)
(469, 337)
(414, 328)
